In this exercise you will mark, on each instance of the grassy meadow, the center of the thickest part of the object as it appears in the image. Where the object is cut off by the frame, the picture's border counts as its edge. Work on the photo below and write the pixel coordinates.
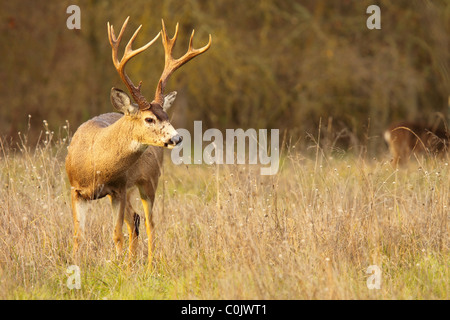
(226, 232)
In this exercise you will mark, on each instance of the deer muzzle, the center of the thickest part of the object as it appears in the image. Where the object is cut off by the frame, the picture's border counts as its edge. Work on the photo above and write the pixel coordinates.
(174, 141)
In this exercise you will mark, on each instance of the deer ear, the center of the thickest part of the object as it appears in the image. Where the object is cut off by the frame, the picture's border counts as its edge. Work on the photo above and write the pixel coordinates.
(122, 102)
(168, 100)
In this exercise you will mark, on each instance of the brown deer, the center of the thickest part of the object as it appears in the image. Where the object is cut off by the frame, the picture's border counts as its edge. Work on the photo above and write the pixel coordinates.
(407, 138)
(114, 152)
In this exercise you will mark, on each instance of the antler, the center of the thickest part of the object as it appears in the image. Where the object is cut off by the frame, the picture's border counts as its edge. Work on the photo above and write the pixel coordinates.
(172, 64)
(128, 54)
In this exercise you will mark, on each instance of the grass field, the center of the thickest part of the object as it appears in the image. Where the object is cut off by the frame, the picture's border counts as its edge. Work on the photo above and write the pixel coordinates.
(226, 232)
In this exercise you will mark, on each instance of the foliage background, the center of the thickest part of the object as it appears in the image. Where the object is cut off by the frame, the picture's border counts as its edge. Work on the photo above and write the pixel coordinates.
(273, 64)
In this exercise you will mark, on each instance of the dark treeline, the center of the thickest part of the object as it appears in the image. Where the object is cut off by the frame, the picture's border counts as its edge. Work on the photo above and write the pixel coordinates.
(273, 64)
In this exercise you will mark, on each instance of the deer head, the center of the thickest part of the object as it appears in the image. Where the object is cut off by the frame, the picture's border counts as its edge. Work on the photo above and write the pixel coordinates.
(149, 122)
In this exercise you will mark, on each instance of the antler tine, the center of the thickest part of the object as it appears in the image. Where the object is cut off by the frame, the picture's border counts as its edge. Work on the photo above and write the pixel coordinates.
(116, 41)
(120, 33)
(168, 43)
(172, 64)
(128, 54)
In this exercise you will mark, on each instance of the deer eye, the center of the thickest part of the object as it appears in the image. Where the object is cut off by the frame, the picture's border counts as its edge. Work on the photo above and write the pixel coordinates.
(150, 120)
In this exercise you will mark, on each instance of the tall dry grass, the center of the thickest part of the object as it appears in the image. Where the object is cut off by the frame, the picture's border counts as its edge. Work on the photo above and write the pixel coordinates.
(225, 232)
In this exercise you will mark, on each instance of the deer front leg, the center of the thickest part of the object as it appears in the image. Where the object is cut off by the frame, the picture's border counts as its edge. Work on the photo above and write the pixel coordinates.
(148, 227)
(147, 198)
(132, 220)
(118, 202)
(79, 208)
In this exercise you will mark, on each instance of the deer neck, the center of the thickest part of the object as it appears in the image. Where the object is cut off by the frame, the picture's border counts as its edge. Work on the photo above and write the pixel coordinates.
(115, 149)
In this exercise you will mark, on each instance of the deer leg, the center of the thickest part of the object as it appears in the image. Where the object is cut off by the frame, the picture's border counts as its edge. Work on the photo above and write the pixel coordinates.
(396, 160)
(132, 220)
(79, 208)
(118, 203)
(147, 194)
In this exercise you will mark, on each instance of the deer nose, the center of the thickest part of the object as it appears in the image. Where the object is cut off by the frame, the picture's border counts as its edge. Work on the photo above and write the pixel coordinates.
(176, 140)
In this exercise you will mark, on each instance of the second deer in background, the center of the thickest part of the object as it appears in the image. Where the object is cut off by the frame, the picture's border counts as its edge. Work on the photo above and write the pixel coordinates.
(406, 139)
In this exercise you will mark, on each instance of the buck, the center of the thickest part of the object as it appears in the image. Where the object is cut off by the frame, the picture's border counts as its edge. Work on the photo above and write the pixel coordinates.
(115, 152)
(407, 138)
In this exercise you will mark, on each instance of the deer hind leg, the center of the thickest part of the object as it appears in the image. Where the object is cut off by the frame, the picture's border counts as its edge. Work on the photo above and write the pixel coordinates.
(132, 220)
(147, 193)
(79, 208)
(118, 202)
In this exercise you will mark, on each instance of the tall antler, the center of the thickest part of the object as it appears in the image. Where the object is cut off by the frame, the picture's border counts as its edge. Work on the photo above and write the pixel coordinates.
(128, 54)
(172, 64)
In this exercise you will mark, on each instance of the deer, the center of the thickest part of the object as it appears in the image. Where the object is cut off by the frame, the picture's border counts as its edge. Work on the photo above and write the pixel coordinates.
(407, 138)
(113, 153)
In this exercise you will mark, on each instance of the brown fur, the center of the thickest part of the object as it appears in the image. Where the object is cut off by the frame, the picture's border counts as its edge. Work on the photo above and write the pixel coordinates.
(99, 164)
(94, 153)
(407, 138)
